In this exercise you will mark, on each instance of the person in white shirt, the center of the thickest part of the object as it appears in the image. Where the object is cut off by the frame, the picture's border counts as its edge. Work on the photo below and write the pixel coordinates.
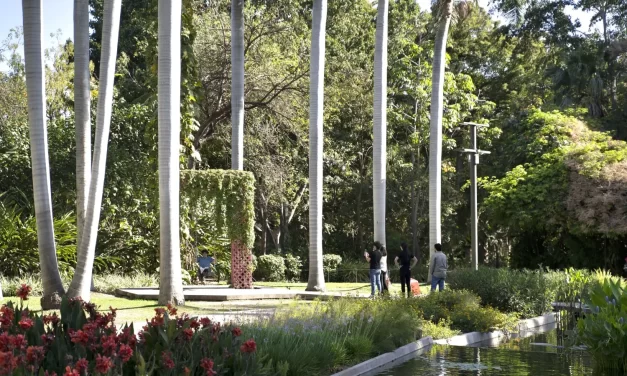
(384, 270)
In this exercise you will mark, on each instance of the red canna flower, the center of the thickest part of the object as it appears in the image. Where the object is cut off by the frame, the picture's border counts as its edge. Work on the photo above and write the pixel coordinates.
(108, 345)
(81, 365)
(160, 311)
(18, 341)
(205, 322)
(51, 319)
(23, 292)
(207, 365)
(80, 337)
(236, 332)
(249, 346)
(172, 310)
(71, 372)
(103, 363)
(125, 353)
(188, 334)
(35, 354)
(25, 323)
(166, 359)
(194, 324)
(6, 316)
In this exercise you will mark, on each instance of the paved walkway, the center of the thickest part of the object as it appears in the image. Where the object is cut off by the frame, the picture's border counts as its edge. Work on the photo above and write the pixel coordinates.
(217, 293)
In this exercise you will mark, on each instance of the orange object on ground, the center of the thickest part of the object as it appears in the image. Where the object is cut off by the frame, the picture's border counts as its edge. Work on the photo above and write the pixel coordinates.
(415, 287)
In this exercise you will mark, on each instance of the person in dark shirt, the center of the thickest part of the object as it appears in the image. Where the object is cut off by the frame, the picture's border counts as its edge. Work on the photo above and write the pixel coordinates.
(405, 261)
(374, 258)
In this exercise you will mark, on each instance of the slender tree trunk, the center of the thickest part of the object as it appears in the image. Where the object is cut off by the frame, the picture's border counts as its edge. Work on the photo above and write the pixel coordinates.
(379, 149)
(169, 89)
(81, 282)
(36, 92)
(237, 84)
(316, 141)
(414, 207)
(435, 134)
(82, 103)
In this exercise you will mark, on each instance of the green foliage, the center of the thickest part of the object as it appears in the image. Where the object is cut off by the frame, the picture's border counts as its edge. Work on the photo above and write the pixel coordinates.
(440, 330)
(293, 268)
(321, 338)
(331, 262)
(270, 268)
(604, 330)
(526, 292)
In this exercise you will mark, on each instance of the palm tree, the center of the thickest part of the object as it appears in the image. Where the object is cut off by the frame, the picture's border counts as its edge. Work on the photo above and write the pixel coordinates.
(169, 89)
(445, 11)
(316, 140)
(380, 125)
(82, 99)
(36, 89)
(81, 283)
(237, 84)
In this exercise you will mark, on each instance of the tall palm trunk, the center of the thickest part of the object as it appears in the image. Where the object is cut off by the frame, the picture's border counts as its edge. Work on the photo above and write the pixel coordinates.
(380, 124)
(169, 89)
(435, 134)
(316, 141)
(81, 282)
(237, 84)
(36, 89)
(82, 101)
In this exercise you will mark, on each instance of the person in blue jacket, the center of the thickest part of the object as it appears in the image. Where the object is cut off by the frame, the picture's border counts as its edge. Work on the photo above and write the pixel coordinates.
(204, 265)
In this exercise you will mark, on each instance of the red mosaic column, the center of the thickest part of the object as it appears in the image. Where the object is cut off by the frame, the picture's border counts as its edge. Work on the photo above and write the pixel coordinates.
(241, 261)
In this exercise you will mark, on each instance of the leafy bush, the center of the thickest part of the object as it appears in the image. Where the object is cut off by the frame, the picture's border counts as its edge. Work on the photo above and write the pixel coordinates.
(604, 331)
(83, 340)
(293, 268)
(270, 268)
(331, 262)
(527, 292)
(440, 330)
(481, 319)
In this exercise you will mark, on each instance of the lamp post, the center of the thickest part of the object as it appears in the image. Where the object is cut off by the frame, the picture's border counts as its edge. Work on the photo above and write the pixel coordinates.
(473, 159)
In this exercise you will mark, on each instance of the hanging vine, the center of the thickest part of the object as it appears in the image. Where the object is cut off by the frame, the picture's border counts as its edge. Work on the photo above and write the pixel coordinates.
(229, 195)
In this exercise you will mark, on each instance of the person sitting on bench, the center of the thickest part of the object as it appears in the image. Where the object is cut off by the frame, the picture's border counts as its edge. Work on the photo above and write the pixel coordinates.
(204, 266)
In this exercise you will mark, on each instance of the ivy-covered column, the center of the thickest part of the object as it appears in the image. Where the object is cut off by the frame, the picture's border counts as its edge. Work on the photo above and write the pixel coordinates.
(227, 198)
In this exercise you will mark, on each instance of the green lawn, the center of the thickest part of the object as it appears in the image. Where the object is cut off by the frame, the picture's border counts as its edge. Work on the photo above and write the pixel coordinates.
(133, 310)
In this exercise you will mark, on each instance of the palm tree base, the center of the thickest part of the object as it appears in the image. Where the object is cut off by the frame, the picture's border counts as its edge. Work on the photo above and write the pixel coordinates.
(51, 301)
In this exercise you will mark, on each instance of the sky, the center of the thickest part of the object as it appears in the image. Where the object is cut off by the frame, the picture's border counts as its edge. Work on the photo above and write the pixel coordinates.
(58, 16)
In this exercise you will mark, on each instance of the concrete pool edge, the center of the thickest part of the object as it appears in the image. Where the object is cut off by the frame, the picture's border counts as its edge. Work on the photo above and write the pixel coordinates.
(384, 359)
(467, 339)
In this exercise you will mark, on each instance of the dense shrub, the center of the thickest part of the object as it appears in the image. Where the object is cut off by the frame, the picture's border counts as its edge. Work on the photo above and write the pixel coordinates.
(331, 262)
(83, 340)
(604, 330)
(270, 268)
(293, 268)
(527, 292)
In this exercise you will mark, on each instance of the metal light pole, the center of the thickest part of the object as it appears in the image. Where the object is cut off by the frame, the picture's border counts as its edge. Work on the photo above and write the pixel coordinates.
(473, 159)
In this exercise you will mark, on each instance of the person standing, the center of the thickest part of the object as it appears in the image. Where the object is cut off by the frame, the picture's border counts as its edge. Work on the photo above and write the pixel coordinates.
(405, 262)
(374, 258)
(438, 268)
(384, 270)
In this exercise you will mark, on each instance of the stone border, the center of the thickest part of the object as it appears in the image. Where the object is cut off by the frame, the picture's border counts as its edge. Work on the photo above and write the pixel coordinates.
(383, 359)
(476, 337)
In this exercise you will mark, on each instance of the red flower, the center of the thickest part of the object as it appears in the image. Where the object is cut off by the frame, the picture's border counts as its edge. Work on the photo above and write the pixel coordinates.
(23, 292)
(50, 374)
(35, 354)
(207, 365)
(51, 319)
(80, 337)
(18, 341)
(103, 363)
(25, 323)
(81, 365)
(186, 371)
(194, 324)
(71, 372)
(166, 359)
(125, 353)
(160, 311)
(249, 346)
(205, 322)
(108, 345)
(8, 362)
(188, 334)
(236, 332)
(6, 315)
(157, 321)
(171, 309)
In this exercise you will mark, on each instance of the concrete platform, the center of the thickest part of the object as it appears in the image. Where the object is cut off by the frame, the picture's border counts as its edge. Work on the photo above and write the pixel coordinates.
(217, 293)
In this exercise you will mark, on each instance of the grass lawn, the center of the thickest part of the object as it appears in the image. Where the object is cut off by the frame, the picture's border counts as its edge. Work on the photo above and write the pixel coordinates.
(134, 310)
